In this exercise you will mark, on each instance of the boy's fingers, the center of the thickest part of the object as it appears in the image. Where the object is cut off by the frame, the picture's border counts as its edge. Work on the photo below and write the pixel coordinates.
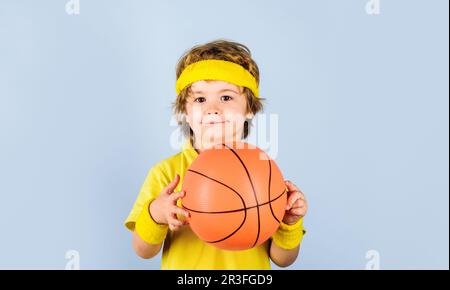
(175, 222)
(299, 202)
(180, 211)
(302, 195)
(172, 185)
(299, 205)
(291, 186)
(173, 227)
(175, 196)
(292, 199)
(297, 211)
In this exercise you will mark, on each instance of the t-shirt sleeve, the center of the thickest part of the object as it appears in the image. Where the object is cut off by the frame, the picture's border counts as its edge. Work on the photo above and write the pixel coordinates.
(154, 183)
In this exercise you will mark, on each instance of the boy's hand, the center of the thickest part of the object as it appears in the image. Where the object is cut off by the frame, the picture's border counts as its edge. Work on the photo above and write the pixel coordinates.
(164, 208)
(297, 205)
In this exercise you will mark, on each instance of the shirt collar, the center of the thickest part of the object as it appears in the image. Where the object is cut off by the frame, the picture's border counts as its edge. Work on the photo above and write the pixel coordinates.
(189, 151)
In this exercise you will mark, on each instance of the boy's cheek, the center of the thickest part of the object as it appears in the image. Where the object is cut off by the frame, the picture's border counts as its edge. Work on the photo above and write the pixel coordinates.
(192, 121)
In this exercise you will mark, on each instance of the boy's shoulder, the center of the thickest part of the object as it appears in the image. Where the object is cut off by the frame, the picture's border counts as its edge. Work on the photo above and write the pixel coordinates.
(169, 164)
(177, 163)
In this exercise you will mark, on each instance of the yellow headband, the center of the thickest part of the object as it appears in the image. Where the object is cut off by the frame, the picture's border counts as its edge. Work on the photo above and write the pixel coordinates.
(214, 69)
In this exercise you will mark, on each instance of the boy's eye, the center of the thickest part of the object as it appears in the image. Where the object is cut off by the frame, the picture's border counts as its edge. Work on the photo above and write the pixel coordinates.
(226, 98)
(200, 99)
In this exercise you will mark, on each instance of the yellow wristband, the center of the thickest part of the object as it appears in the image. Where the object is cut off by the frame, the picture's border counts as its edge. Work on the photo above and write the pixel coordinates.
(149, 230)
(289, 236)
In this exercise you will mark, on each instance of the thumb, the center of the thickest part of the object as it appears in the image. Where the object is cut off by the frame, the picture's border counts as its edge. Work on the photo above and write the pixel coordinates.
(172, 185)
(290, 186)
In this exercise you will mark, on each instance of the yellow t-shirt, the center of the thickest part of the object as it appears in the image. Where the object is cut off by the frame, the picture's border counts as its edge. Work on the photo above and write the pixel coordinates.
(183, 249)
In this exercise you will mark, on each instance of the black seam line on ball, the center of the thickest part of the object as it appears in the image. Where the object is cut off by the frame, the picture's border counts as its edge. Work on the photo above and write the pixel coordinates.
(243, 203)
(254, 192)
(270, 204)
(235, 210)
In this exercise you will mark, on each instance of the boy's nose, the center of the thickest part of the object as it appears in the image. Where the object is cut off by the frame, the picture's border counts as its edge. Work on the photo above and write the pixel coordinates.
(213, 110)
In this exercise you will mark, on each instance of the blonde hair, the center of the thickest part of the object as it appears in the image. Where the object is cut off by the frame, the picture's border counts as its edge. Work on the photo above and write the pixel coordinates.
(221, 50)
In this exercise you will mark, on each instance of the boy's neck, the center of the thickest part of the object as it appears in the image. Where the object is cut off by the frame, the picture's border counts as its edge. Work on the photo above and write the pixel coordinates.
(200, 149)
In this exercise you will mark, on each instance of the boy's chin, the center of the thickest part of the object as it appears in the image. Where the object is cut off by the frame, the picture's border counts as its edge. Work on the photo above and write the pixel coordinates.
(218, 140)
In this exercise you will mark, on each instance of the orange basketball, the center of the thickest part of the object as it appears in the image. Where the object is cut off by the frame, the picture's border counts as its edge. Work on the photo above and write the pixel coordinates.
(236, 196)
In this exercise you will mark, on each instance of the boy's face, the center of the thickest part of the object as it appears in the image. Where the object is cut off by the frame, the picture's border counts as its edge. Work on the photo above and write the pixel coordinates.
(216, 112)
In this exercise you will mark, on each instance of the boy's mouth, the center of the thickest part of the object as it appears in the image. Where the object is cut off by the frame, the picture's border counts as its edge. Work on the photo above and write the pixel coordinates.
(212, 123)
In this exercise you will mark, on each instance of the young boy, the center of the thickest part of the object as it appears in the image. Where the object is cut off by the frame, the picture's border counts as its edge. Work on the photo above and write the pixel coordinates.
(217, 96)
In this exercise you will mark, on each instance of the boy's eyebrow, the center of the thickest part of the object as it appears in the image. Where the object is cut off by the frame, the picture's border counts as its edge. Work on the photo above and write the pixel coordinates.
(221, 91)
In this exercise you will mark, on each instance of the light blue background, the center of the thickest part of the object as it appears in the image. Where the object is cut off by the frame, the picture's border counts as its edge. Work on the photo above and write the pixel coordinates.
(363, 114)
